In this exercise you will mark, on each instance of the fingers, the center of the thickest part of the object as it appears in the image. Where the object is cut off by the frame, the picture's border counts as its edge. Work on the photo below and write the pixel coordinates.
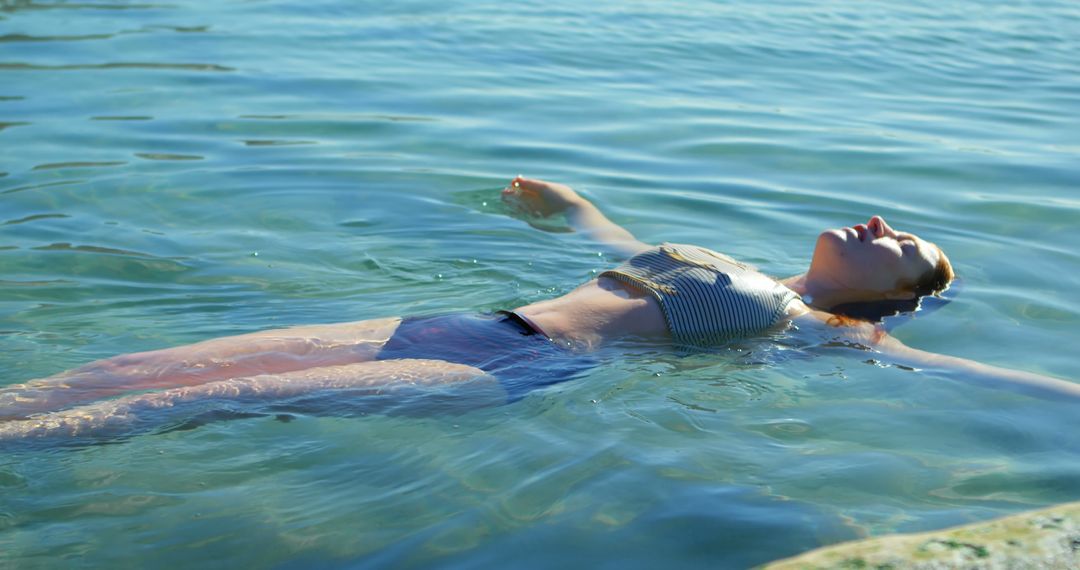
(514, 187)
(529, 184)
(522, 189)
(536, 197)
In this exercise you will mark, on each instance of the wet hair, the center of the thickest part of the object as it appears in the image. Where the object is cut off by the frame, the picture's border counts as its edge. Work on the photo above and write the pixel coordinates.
(932, 282)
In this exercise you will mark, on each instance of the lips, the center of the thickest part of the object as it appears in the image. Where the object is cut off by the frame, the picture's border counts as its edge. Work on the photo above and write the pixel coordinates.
(860, 231)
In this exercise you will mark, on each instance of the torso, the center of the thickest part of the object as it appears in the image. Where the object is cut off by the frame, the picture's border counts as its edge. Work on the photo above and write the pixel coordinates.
(707, 298)
(604, 309)
(600, 310)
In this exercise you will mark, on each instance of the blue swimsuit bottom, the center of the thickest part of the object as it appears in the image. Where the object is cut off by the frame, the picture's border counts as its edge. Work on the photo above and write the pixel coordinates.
(501, 344)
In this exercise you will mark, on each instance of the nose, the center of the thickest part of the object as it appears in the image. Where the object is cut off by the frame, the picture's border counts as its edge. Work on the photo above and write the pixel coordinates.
(878, 227)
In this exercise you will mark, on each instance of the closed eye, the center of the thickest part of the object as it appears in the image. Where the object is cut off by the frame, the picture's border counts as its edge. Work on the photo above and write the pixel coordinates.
(907, 242)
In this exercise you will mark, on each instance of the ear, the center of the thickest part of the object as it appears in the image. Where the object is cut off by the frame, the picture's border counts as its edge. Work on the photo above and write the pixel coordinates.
(900, 295)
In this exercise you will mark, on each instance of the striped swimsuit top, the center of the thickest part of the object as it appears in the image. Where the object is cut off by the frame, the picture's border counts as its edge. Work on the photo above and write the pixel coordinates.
(707, 298)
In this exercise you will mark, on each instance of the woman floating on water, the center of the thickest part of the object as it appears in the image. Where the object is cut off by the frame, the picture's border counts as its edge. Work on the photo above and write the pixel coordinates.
(682, 295)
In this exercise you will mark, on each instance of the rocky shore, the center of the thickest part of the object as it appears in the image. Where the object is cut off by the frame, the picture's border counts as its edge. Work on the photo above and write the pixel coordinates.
(1048, 538)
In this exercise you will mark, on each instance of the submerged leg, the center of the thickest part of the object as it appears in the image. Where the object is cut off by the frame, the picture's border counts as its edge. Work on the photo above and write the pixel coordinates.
(413, 385)
(268, 352)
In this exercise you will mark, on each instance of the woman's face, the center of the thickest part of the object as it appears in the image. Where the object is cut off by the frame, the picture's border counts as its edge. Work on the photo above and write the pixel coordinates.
(872, 258)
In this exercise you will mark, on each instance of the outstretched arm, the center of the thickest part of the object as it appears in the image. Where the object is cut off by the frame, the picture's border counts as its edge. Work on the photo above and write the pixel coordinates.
(977, 372)
(541, 198)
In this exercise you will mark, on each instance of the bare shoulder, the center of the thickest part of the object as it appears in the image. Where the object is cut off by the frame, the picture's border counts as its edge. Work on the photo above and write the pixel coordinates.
(822, 326)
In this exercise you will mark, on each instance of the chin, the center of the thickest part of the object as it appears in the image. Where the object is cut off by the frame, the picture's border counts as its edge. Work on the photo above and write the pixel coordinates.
(829, 249)
(832, 238)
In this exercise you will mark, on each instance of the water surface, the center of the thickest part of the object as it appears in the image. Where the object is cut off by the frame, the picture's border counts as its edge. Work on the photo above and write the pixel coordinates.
(172, 172)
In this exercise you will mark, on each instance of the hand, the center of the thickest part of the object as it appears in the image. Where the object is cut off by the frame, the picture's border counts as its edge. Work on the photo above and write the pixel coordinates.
(539, 198)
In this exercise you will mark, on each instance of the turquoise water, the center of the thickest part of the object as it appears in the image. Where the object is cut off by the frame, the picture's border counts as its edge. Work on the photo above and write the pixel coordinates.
(181, 171)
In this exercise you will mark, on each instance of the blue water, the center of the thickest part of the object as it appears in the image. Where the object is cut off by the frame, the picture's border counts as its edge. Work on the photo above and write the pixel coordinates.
(176, 172)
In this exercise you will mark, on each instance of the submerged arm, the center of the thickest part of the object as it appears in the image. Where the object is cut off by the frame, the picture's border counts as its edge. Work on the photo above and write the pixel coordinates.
(890, 348)
(977, 372)
(545, 199)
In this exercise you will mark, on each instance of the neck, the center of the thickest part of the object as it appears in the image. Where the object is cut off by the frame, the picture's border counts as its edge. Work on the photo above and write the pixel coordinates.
(816, 292)
(824, 293)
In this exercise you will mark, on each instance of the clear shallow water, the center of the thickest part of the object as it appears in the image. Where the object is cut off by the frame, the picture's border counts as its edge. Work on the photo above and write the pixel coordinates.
(150, 151)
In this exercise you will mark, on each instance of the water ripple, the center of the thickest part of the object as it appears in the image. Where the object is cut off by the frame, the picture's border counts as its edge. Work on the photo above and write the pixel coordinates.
(341, 117)
(90, 249)
(76, 164)
(27, 38)
(44, 185)
(743, 126)
(27, 5)
(34, 217)
(166, 156)
(40, 283)
(209, 67)
(260, 142)
(122, 118)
